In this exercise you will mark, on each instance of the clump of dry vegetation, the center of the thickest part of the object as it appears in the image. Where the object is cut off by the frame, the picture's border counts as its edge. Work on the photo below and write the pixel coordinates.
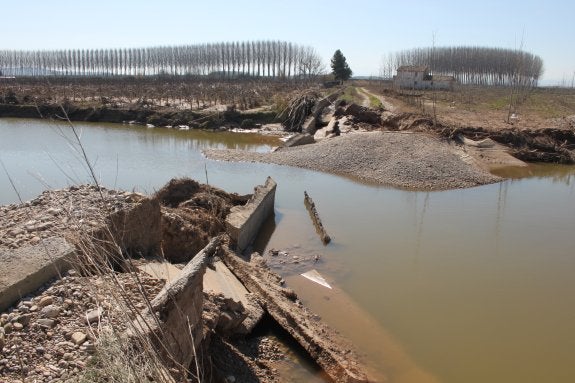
(192, 214)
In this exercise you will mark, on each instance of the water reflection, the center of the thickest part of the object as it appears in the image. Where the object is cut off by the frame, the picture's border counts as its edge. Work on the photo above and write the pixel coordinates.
(468, 285)
(555, 173)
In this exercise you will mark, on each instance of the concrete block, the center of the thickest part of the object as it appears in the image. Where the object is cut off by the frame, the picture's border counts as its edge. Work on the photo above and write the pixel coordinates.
(244, 222)
(177, 329)
(299, 139)
(309, 125)
(26, 269)
(221, 280)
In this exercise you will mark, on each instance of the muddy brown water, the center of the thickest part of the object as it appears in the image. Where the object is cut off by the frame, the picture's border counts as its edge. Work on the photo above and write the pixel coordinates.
(468, 285)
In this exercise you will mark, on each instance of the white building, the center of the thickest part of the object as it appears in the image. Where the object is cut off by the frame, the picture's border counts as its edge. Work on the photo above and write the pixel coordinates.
(419, 77)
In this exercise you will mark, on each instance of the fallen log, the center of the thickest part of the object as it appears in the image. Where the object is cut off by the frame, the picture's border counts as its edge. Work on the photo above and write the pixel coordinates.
(310, 205)
(332, 353)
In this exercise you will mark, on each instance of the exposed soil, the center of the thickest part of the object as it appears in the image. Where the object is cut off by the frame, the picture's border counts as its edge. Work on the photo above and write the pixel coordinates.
(46, 336)
(555, 145)
(142, 116)
(192, 214)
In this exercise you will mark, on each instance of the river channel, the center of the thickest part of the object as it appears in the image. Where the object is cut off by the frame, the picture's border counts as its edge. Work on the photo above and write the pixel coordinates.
(472, 285)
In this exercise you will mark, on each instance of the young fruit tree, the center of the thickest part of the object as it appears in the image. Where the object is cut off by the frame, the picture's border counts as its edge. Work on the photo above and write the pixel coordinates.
(339, 67)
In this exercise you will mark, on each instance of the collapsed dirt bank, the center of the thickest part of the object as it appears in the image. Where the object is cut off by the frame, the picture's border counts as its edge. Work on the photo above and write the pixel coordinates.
(86, 322)
(398, 159)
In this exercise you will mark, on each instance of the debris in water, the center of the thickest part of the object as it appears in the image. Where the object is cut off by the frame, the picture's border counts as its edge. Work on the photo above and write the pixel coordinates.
(310, 205)
(314, 276)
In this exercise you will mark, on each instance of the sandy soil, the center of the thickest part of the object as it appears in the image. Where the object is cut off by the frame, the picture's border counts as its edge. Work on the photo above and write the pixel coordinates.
(399, 159)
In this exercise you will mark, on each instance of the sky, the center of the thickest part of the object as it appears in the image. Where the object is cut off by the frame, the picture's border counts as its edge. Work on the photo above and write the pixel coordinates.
(364, 30)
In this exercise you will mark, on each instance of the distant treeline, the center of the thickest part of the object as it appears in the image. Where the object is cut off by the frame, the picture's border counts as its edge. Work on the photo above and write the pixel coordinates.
(275, 59)
(471, 65)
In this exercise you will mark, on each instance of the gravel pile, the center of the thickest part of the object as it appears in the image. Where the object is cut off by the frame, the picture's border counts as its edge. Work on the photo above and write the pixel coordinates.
(53, 335)
(57, 212)
(399, 159)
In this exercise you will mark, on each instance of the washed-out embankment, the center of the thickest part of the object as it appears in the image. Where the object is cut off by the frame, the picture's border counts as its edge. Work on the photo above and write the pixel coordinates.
(85, 259)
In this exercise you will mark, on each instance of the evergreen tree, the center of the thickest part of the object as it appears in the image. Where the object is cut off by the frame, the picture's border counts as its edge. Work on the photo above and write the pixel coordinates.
(339, 67)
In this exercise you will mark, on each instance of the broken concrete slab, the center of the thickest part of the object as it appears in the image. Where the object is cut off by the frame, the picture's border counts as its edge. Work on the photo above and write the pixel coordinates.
(220, 280)
(330, 130)
(243, 222)
(488, 154)
(26, 269)
(174, 323)
(161, 269)
(299, 139)
(332, 353)
(309, 125)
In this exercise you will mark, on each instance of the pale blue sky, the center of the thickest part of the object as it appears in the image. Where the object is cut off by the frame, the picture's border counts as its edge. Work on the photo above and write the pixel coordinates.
(364, 30)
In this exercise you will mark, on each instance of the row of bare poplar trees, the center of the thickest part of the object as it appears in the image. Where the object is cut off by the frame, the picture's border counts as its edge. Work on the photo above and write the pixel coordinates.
(471, 65)
(275, 59)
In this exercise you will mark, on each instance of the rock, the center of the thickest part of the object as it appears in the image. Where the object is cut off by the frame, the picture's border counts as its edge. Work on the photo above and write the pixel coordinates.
(46, 300)
(46, 323)
(50, 311)
(17, 326)
(8, 328)
(16, 232)
(79, 337)
(44, 226)
(289, 293)
(331, 130)
(231, 379)
(2, 338)
(54, 211)
(93, 316)
(309, 125)
(24, 319)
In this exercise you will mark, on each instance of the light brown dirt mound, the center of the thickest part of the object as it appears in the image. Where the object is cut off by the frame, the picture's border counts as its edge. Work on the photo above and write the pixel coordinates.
(399, 159)
(192, 214)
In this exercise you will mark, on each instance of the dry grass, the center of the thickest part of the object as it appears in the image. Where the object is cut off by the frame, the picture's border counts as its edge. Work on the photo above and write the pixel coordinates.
(120, 357)
(484, 106)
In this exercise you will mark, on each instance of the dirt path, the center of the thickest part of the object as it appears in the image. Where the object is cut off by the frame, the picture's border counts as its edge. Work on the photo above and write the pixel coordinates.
(386, 104)
(365, 98)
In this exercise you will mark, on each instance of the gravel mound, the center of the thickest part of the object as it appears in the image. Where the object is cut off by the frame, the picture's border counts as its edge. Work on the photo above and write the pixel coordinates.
(399, 159)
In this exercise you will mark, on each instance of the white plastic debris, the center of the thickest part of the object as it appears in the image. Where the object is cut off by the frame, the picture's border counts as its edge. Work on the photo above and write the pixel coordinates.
(314, 276)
